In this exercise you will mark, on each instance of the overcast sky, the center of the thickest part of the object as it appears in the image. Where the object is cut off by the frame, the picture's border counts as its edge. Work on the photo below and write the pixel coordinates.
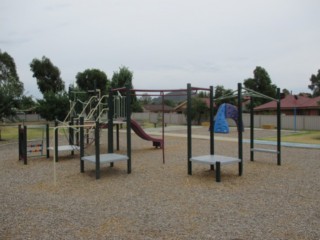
(166, 43)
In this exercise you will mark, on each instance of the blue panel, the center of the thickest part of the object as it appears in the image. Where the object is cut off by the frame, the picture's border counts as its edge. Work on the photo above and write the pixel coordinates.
(221, 124)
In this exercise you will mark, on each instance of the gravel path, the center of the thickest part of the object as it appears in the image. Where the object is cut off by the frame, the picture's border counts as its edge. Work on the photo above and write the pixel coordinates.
(161, 201)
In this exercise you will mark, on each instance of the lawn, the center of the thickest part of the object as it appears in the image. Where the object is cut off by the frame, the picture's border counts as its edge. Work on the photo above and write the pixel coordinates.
(311, 137)
(10, 133)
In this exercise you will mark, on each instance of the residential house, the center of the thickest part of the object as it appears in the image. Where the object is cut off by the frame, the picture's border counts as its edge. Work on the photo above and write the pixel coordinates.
(157, 108)
(183, 106)
(292, 105)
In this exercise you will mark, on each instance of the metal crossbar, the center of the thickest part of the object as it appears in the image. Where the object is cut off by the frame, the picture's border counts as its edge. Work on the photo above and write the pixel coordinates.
(257, 94)
(264, 150)
(246, 92)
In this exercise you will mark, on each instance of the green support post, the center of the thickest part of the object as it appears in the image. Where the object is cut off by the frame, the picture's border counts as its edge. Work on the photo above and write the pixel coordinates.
(189, 128)
(110, 122)
(77, 133)
(20, 136)
(278, 128)
(81, 144)
(97, 147)
(128, 106)
(71, 136)
(211, 125)
(240, 129)
(23, 154)
(47, 140)
(25, 141)
(251, 129)
(56, 142)
(218, 172)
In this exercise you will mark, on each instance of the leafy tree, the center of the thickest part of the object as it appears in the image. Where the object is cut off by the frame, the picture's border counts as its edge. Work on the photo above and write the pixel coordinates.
(47, 75)
(10, 86)
(136, 106)
(169, 102)
(7, 104)
(91, 79)
(285, 91)
(220, 91)
(315, 84)
(122, 79)
(55, 102)
(26, 102)
(261, 83)
(309, 95)
(54, 105)
(145, 99)
(203, 94)
(198, 109)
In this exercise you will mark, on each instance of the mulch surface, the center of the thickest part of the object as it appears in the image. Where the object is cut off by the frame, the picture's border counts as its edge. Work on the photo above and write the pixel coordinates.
(161, 201)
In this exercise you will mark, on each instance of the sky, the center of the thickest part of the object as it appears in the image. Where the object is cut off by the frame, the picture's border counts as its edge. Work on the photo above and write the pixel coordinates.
(166, 43)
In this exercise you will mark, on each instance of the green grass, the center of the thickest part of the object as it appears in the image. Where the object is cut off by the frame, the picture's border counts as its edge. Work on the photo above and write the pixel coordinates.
(311, 137)
(10, 133)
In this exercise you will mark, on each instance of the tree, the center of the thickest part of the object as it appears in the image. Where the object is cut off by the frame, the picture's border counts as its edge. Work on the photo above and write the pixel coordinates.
(198, 108)
(203, 94)
(315, 84)
(169, 102)
(145, 99)
(261, 83)
(26, 102)
(92, 79)
(220, 91)
(10, 86)
(47, 75)
(54, 106)
(122, 79)
(286, 92)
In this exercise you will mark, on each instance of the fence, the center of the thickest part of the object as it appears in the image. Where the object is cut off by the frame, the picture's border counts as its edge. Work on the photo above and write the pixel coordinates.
(300, 122)
(33, 117)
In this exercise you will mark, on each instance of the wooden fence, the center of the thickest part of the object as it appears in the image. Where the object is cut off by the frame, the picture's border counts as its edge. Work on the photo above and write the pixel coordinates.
(300, 122)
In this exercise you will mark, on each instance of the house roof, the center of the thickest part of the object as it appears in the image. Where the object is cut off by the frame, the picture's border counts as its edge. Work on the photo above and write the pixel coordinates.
(290, 102)
(183, 105)
(207, 101)
(158, 107)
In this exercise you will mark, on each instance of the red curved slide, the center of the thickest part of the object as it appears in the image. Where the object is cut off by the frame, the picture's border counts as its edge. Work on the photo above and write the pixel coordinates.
(141, 133)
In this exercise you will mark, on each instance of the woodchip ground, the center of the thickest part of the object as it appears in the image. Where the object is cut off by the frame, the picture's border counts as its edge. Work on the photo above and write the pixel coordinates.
(161, 201)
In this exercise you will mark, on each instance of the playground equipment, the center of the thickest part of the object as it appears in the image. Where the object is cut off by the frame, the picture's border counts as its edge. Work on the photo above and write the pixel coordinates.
(71, 146)
(226, 110)
(33, 147)
(246, 92)
(109, 157)
(97, 109)
(117, 104)
(41, 146)
(252, 148)
(215, 161)
(157, 142)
